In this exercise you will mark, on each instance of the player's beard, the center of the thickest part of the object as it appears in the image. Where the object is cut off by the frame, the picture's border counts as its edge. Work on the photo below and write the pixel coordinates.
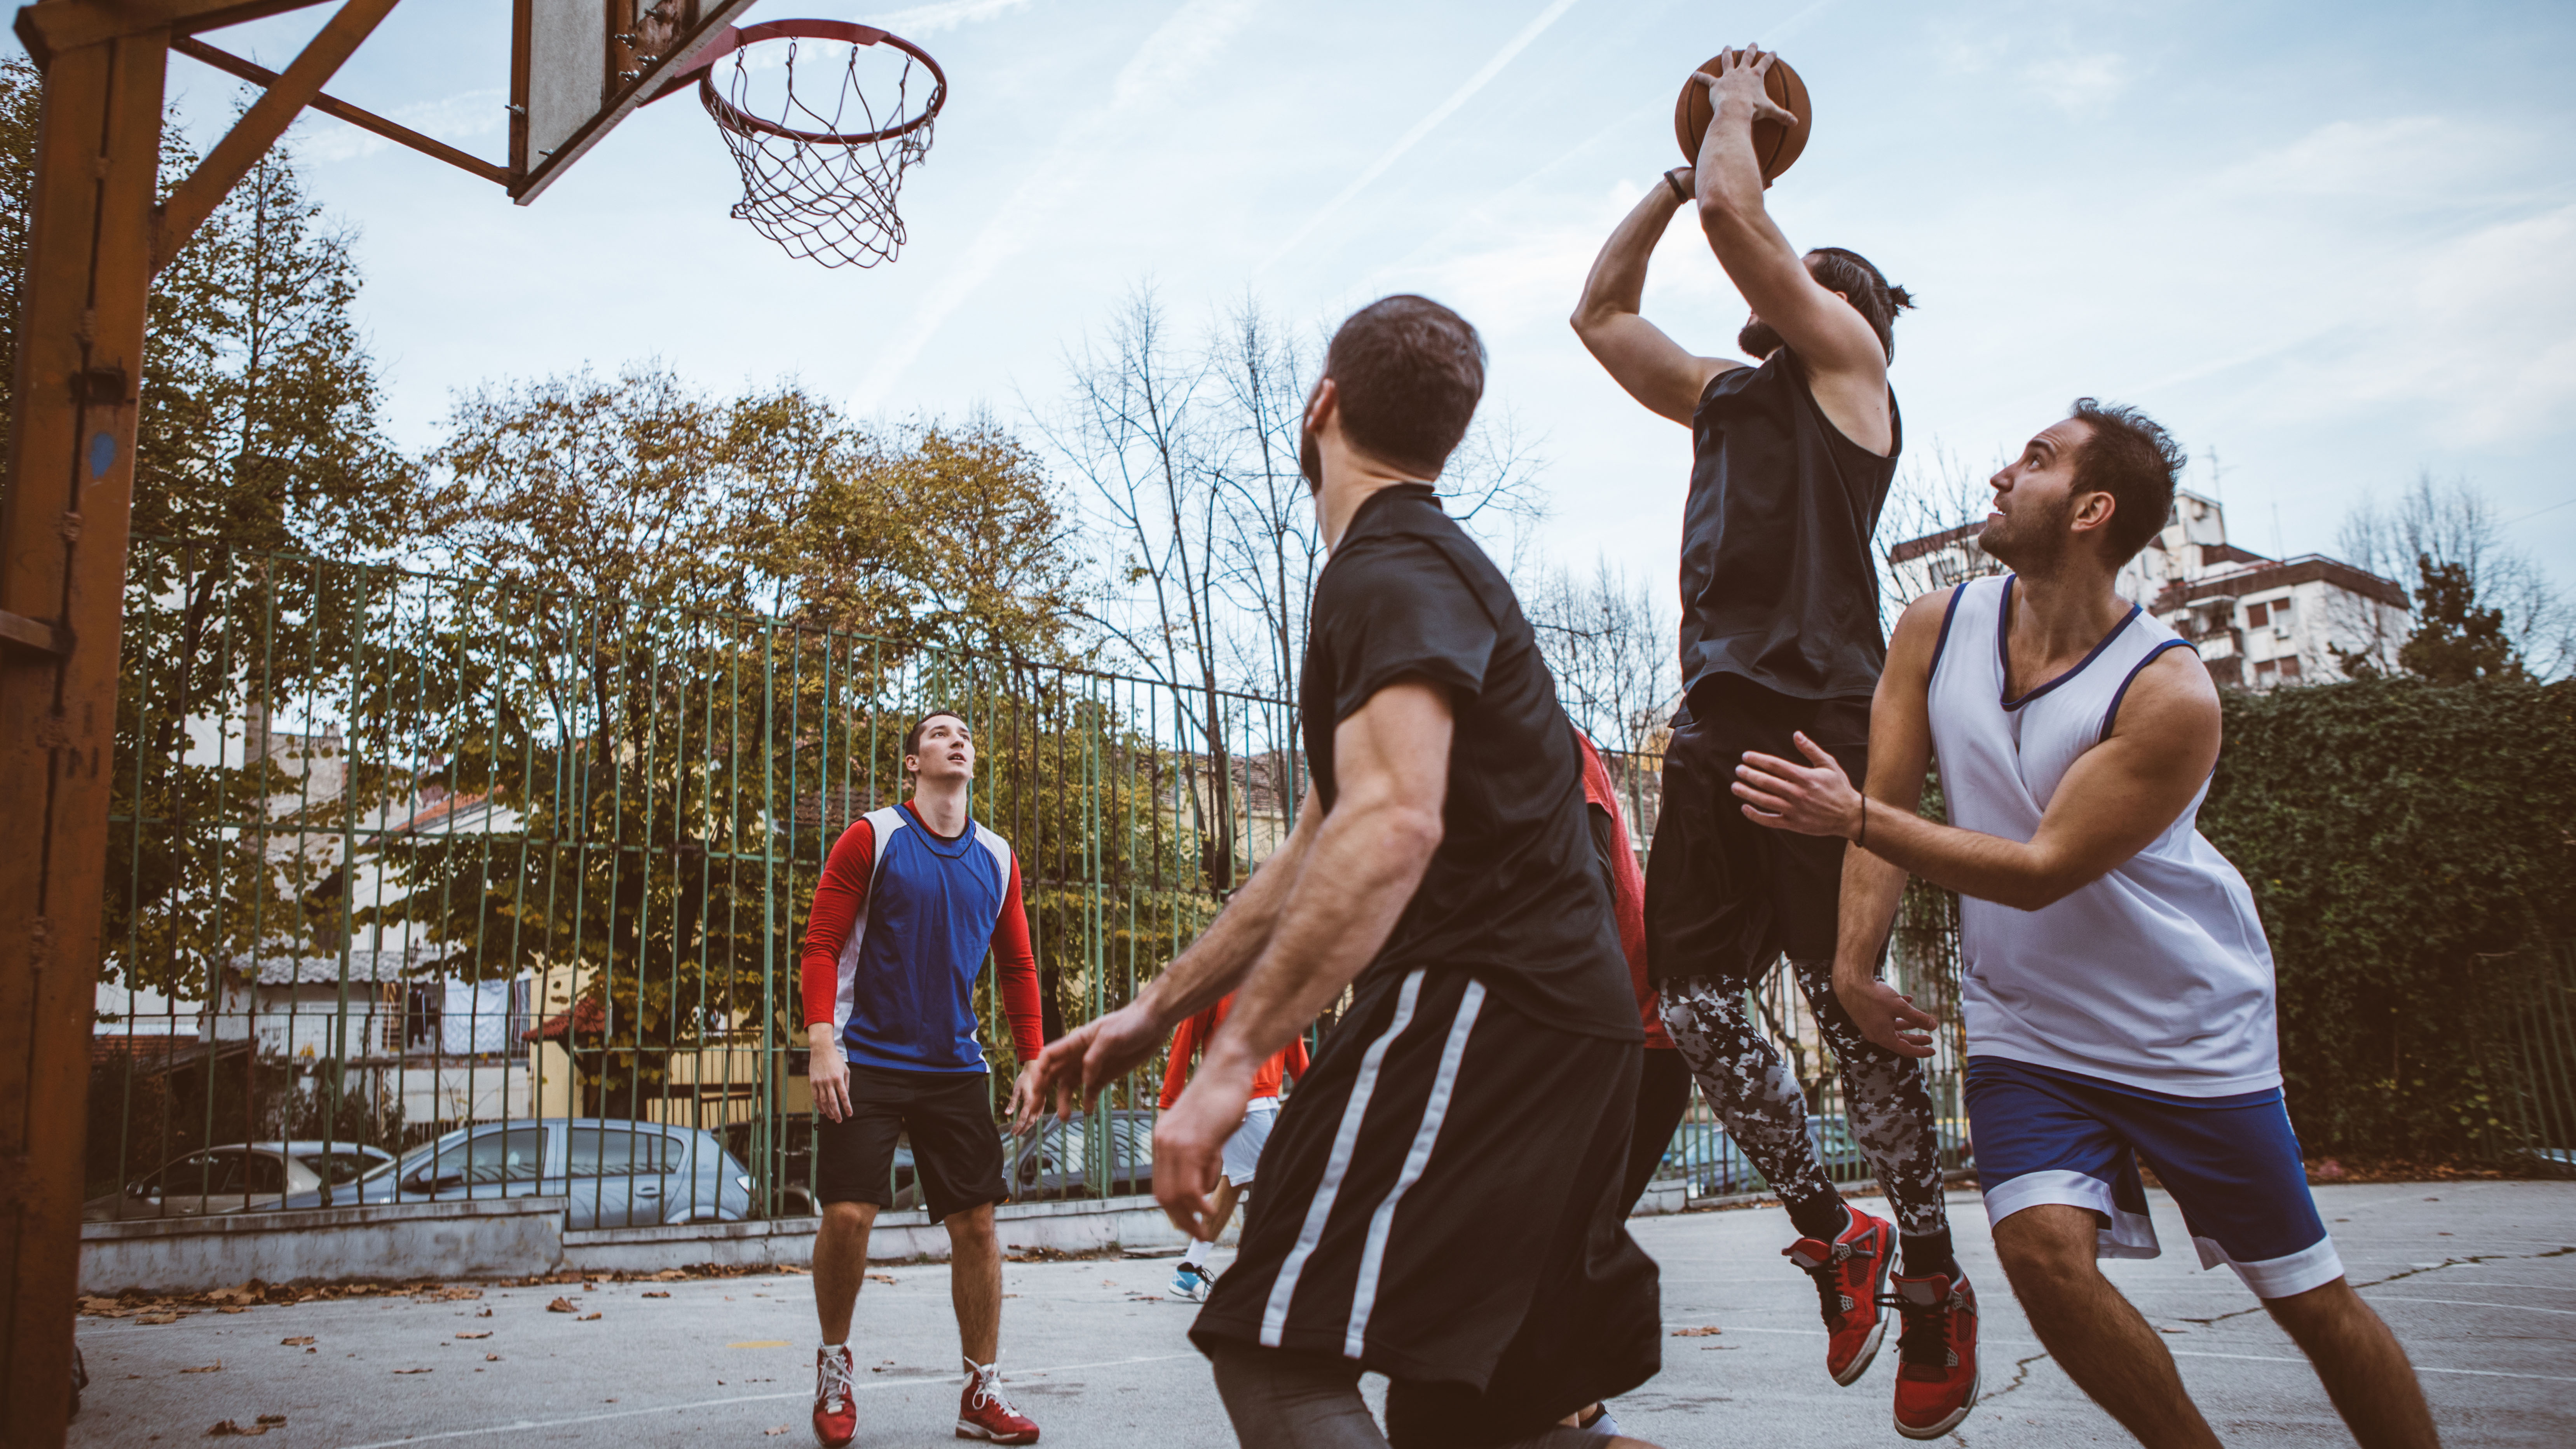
(2029, 540)
(1310, 459)
(1758, 340)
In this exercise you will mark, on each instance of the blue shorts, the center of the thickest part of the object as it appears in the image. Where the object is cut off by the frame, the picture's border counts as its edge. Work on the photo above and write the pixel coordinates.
(2232, 1164)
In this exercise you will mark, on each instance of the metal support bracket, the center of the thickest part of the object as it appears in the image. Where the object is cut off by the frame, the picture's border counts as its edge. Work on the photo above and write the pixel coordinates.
(34, 634)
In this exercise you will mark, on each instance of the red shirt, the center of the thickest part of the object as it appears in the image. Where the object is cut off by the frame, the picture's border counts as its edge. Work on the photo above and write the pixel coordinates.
(1288, 1061)
(1627, 891)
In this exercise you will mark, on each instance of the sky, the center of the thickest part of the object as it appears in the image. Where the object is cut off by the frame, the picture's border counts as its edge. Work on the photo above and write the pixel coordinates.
(2330, 246)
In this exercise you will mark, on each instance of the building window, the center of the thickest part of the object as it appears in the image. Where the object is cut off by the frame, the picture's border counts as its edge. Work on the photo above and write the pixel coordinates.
(2266, 670)
(2290, 667)
(2280, 611)
(2257, 615)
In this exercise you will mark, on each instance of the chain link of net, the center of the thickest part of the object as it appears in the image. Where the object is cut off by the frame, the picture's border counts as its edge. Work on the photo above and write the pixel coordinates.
(827, 201)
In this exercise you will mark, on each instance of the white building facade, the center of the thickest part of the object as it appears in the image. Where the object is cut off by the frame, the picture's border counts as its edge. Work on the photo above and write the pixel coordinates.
(2257, 622)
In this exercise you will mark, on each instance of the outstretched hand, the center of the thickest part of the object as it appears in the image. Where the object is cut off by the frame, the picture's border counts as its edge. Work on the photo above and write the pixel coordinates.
(1888, 1017)
(1084, 1060)
(1189, 1147)
(1812, 799)
(1743, 75)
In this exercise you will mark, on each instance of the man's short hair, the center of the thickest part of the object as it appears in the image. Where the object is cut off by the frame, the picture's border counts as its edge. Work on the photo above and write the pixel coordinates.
(1409, 372)
(1855, 276)
(912, 736)
(2129, 456)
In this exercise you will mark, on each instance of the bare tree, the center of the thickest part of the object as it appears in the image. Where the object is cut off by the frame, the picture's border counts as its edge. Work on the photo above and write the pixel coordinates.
(1271, 544)
(1611, 648)
(2454, 523)
(1936, 496)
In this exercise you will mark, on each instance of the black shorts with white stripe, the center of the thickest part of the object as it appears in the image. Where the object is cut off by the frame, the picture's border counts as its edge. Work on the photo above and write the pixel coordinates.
(1440, 1203)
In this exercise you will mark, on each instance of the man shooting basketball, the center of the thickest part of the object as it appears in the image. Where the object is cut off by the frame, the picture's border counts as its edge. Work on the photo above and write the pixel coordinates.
(1440, 1199)
(1792, 455)
(2118, 989)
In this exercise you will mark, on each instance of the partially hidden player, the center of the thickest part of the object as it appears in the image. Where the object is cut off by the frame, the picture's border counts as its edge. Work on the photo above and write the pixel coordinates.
(912, 899)
(1439, 1199)
(2118, 990)
(1792, 456)
(1242, 1150)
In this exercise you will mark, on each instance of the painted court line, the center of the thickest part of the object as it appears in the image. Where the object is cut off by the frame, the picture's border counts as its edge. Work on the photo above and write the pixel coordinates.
(520, 1424)
(2468, 1303)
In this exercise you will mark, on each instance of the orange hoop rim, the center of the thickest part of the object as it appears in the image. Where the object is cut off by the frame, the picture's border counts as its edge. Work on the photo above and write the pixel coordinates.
(734, 118)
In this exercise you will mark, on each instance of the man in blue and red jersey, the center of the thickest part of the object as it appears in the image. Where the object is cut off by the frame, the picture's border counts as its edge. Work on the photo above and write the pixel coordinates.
(911, 901)
(1242, 1150)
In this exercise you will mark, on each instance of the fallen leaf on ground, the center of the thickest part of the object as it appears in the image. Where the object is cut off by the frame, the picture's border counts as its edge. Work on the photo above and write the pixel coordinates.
(657, 1295)
(1695, 1332)
(213, 1368)
(229, 1309)
(225, 1428)
(486, 1333)
(491, 1358)
(880, 1277)
(295, 1342)
(412, 1371)
(774, 1433)
(561, 1305)
(586, 1318)
(2173, 1330)
(486, 1313)
(159, 1318)
(272, 1418)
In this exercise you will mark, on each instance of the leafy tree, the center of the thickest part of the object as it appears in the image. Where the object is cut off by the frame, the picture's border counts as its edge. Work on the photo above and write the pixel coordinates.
(2456, 640)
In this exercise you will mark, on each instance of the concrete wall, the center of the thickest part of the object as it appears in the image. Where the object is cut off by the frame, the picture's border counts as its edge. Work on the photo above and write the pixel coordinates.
(504, 1238)
(520, 1236)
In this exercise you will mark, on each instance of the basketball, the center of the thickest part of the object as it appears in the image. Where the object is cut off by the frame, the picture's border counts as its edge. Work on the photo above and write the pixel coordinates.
(1774, 145)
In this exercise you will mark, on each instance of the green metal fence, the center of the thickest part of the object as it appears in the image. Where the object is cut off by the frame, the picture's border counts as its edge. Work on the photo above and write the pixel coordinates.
(508, 884)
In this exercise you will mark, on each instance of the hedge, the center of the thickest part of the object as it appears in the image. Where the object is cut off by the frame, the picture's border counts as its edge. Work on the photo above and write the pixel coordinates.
(2412, 848)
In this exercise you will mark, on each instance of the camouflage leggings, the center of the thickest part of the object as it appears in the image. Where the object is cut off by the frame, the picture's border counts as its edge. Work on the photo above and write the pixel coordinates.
(1757, 1099)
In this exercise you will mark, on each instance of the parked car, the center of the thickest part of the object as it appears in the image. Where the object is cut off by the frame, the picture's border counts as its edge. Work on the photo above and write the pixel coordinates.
(242, 1177)
(1053, 1161)
(617, 1173)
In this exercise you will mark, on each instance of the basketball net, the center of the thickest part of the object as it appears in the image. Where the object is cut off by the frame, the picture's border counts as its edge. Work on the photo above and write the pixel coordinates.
(819, 176)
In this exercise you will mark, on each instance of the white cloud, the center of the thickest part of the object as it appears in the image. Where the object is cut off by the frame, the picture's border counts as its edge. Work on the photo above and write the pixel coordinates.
(2080, 84)
(923, 20)
(457, 120)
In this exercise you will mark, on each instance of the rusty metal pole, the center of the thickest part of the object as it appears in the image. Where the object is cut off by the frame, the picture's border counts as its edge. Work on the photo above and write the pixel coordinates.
(63, 522)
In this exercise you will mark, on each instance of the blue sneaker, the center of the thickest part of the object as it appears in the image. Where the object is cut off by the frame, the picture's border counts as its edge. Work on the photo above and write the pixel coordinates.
(1602, 1424)
(1192, 1283)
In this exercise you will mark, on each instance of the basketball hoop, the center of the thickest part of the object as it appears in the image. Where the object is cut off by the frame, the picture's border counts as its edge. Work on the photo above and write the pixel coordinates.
(820, 168)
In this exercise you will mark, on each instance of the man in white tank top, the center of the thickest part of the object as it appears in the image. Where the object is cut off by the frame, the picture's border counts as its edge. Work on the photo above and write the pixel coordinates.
(2118, 989)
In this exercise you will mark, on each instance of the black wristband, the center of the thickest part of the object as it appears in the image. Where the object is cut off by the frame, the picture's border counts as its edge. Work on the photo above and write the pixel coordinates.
(1862, 839)
(1679, 195)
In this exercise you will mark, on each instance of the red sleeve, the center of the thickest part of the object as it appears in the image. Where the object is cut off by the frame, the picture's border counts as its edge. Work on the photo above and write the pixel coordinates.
(1294, 1057)
(838, 898)
(1627, 890)
(1176, 1067)
(1015, 973)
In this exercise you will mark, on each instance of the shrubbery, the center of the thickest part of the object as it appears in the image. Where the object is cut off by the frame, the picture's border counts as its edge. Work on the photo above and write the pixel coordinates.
(2411, 846)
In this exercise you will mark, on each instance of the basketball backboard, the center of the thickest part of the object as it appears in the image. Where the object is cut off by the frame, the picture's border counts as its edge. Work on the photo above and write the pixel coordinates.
(578, 67)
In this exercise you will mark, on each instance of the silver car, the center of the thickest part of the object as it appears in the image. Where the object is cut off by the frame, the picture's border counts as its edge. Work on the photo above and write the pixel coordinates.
(242, 1176)
(617, 1173)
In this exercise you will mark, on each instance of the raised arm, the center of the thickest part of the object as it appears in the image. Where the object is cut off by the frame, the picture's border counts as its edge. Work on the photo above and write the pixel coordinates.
(1846, 362)
(1655, 370)
(1391, 757)
(2114, 801)
(1900, 755)
(1106, 1048)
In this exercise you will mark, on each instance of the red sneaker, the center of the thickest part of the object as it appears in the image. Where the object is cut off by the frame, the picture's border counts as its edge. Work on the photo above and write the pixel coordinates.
(1849, 1277)
(982, 1412)
(836, 1412)
(1936, 1354)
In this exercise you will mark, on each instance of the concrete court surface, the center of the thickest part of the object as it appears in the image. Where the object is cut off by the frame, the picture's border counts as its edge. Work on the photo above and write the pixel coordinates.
(2478, 1279)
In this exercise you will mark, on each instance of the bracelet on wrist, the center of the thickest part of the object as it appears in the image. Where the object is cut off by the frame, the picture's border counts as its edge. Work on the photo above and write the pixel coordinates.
(1672, 179)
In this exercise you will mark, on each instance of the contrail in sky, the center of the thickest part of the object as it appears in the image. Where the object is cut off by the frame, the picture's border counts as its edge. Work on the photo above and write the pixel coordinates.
(1423, 127)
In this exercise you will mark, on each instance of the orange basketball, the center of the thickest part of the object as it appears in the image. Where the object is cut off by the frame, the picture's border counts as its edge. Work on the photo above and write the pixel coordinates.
(1774, 145)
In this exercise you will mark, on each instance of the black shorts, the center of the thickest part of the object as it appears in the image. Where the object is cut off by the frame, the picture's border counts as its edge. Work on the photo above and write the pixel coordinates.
(1440, 1203)
(948, 1116)
(1727, 896)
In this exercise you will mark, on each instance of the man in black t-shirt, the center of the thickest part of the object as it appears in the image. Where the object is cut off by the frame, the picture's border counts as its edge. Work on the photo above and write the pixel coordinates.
(1417, 1216)
(1791, 461)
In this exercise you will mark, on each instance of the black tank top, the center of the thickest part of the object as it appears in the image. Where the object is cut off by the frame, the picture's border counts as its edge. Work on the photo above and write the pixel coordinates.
(1779, 585)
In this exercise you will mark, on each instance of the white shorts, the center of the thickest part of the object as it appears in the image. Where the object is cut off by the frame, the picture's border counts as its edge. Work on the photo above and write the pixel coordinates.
(1243, 1149)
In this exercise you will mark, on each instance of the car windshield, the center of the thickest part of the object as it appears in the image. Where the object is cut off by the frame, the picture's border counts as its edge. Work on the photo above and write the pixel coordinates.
(336, 1168)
